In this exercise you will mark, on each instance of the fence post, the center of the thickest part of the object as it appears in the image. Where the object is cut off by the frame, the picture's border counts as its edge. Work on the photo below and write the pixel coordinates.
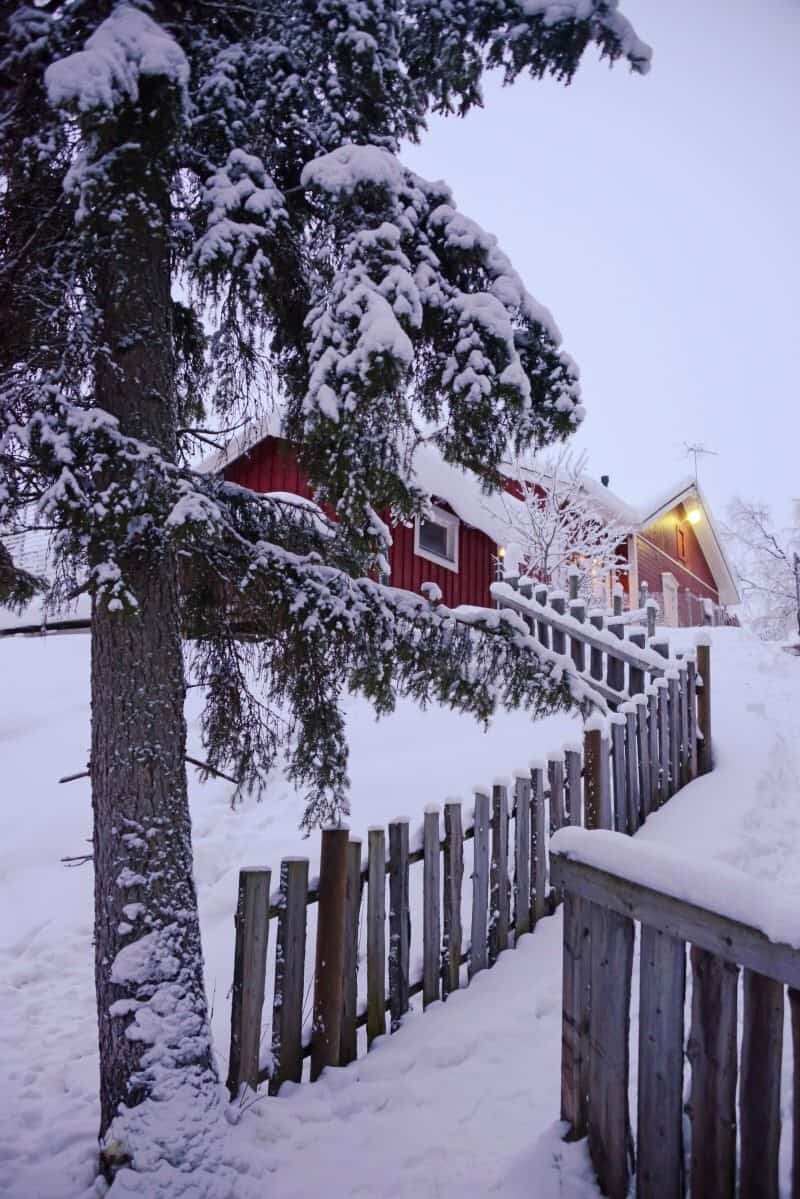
(662, 991)
(453, 875)
(290, 959)
(620, 772)
(652, 741)
(712, 1053)
(577, 609)
(522, 857)
(538, 845)
(662, 694)
(794, 1009)
(249, 977)
(632, 768)
(636, 673)
(431, 900)
(376, 935)
(643, 753)
(704, 759)
(760, 1086)
(542, 627)
(499, 918)
(558, 604)
(327, 1026)
(399, 922)
(691, 683)
(572, 758)
(575, 1016)
(478, 955)
(610, 1139)
(596, 655)
(673, 684)
(348, 1042)
(592, 778)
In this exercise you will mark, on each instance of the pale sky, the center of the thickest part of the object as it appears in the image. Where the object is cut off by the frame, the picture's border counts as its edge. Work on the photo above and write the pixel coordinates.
(658, 218)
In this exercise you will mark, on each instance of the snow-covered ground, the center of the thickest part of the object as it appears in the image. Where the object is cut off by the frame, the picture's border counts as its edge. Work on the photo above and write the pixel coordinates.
(464, 1101)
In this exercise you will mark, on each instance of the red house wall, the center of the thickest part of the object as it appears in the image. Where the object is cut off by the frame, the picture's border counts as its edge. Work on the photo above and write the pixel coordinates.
(657, 552)
(272, 466)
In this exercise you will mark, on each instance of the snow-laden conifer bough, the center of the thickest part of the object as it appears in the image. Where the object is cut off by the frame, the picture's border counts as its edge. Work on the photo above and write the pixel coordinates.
(247, 155)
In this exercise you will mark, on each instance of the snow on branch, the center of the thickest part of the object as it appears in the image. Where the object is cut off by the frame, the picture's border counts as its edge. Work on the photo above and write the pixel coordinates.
(555, 528)
(125, 46)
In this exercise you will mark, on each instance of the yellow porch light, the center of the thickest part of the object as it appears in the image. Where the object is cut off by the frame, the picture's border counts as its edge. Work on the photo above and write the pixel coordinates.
(501, 552)
(693, 515)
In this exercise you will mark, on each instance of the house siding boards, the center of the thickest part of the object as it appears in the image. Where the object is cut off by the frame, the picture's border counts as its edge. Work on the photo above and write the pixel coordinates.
(272, 466)
(658, 553)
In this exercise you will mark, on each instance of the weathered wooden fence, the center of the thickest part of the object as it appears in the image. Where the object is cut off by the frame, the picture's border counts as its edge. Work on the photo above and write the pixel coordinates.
(601, 910)
(628, 766)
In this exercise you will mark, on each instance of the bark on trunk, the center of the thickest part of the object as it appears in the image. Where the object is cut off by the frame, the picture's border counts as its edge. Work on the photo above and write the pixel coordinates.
(152, 1016)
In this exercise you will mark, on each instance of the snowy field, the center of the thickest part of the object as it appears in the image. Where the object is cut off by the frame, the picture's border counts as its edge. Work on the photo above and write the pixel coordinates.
(464, 1101)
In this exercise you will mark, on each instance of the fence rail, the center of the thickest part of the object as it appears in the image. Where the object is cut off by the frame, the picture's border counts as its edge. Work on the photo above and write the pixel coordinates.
(601, 909)
(628, 766)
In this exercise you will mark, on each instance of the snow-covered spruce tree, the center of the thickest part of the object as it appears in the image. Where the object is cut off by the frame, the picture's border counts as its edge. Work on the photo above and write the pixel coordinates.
(201, 203)
(560, 526)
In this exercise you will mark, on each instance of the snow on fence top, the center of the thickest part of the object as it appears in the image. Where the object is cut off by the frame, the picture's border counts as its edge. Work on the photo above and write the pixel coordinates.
(712, 885)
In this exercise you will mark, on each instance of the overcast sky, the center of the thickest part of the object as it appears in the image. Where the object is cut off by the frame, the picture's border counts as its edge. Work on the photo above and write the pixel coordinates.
(658, 218)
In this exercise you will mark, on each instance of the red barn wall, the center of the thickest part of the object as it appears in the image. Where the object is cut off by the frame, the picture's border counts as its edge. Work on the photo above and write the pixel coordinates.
(272, 466)
(657, 552)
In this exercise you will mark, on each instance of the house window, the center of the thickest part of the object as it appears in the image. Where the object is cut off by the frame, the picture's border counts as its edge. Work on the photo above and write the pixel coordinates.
(681, 543)
(436, 538)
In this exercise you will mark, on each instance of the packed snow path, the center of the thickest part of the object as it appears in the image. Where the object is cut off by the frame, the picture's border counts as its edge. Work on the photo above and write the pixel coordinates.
(464, 1101)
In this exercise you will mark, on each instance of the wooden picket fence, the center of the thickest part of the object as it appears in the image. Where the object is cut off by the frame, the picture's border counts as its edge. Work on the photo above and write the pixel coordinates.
(601, 911)
(659, 740)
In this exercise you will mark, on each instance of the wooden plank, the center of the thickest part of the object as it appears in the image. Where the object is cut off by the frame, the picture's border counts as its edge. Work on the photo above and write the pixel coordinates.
(542, 627)
(674, 732)
(760, 1086)
(615, 668)
(643, 755)
(610, 1141)
(478, 950)
(653, 751)
(376, 935)
(577, 610)
(712, 1054)
(555, 778)
(794, 1008)
(348, 1051)
(558, 604)
(683, 712)
(522, 856)
(606, 814)
(662, 989)
(575, 1017)
(620, 770)
(595, 654)
(592, 778)
(451, 897)
(728, 939)
(572, 759)
(691, 678)
(249, 978)
(290, 958)
(329, 963)
(636, 673)
(431, 908)
(538, 846)
(663, 742)
(634, 818)
(499, 915)
(399, 922)
(704, 761)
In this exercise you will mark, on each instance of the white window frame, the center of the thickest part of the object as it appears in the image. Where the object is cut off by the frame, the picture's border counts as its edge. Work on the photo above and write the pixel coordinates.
(450, 522)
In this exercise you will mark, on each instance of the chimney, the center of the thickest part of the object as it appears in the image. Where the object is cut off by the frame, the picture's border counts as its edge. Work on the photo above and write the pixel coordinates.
(605, 480)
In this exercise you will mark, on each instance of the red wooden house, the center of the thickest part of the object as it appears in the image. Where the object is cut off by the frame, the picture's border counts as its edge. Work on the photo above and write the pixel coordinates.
(674, 547)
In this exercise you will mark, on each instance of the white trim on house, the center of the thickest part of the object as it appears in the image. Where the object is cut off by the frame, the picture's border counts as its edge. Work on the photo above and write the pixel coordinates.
(451, 523)
(671, 594)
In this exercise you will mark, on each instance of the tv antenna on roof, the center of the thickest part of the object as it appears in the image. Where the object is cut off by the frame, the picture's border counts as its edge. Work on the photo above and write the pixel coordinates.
(696, 450)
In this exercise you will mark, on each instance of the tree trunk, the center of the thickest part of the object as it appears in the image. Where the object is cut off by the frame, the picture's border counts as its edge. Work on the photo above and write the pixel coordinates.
(157, 1073)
